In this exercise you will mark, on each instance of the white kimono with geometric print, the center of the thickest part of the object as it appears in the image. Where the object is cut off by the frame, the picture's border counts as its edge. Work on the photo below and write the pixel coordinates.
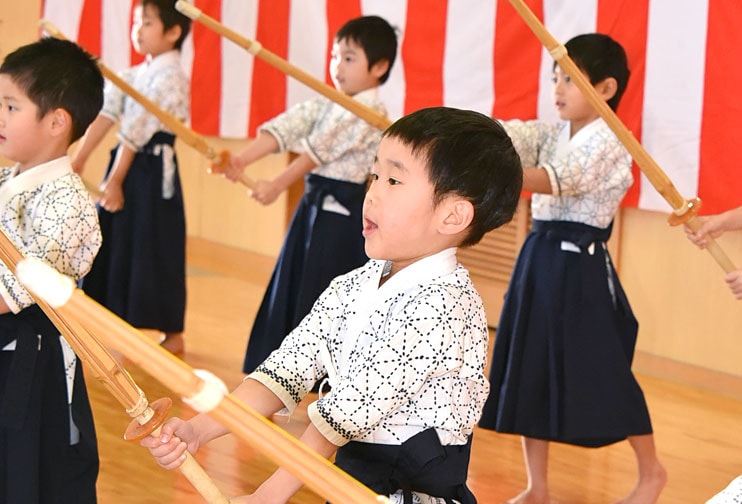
(401, 358)
(47, 212)
(589, 173)
(340, 143)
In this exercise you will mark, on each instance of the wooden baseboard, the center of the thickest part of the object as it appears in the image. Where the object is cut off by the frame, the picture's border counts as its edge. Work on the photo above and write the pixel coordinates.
(688, 374)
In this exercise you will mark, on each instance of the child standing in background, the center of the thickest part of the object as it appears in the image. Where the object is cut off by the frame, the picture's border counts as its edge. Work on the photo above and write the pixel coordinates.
(561, 366)
(403, 338)
(50, 91)
(336, 154)
(140, 272)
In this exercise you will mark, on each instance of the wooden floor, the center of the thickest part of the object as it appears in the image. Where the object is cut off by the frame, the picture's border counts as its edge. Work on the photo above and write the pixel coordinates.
(698, 432)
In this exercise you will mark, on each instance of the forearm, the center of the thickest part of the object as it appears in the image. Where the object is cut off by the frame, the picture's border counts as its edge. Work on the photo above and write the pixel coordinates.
(251, 392)
(282, 485)
(258, 148)
(295, 171)
(122, 163)
(536, 180)
(731, 219)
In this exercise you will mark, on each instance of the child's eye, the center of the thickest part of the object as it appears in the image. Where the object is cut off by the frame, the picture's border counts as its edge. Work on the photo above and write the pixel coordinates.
(393, 181)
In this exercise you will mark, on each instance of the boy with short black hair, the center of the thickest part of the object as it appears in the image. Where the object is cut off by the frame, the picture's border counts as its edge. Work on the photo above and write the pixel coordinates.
(140, 272)
(402, 339)
(335, 154)
(561, 365)
(50, 91)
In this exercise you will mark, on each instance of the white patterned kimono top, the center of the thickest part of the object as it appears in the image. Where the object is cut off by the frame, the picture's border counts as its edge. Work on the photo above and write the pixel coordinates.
(48, 214)
(589, 173)
(400, 358)
(341, 144)
(164, 82)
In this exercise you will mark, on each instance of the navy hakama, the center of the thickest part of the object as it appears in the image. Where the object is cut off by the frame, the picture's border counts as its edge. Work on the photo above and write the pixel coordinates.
(139, 273)
(44, 462)
(320, 244)
(561, 367)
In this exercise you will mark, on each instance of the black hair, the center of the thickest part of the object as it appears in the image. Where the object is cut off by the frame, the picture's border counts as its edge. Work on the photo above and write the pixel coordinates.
(170, 17)
(377, 38)
(467, 154)
(600, 57)
(55, 74)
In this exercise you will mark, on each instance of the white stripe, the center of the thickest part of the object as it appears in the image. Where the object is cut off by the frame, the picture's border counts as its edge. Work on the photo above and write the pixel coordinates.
(307, 46)
(237, 68)
(116, 34)
(673, 95)
(65, 15)
(392, 92)
(564, 19)
(468, 79)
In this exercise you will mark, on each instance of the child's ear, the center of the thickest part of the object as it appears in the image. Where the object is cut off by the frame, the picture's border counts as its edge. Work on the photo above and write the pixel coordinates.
(458, 214)
(379, 68)
(172, 34)
(607, 88)
(60, 122)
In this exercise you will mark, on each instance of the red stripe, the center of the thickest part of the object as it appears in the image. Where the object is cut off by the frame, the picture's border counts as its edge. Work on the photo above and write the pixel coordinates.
(206, 74)
(517, 81)
(719, 180)
(339, 12)
(268, 93)
(626, 22)
(422, 53)
(89, 33)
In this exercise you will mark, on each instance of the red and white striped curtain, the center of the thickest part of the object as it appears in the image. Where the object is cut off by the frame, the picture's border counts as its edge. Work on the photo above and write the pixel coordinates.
(682, 102)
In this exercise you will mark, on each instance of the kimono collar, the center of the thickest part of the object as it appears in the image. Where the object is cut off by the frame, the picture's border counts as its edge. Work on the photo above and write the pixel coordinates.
(367, 94)
(374, 297)
(427, 268)
(34, 177)
(565, 144)
(161, 60)
(586, 132)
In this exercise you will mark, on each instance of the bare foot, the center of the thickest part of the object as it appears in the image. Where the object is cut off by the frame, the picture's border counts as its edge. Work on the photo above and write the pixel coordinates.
(173, 343)
(529, 497)
(648, 489)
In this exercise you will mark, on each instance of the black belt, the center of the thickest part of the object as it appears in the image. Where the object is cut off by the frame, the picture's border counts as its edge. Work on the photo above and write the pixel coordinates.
(420, 464)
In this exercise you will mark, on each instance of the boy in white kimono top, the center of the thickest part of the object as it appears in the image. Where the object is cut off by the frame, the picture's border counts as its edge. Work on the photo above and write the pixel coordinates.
(403, 339)
(336, 151)
(140, 272)
(561, 365)
(50, 91)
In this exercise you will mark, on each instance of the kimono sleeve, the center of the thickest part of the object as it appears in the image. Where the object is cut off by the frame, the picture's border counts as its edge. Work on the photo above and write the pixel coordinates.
(170, 91)
(295, 124)
(61, 229)
(529, 138)
(113, 98)
(291, 371)
(338, 133)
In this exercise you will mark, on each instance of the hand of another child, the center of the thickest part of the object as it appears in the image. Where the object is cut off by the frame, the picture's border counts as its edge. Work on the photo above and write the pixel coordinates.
(112, 198)
(235, 169)
(170, 446)
(734, 281)
(265, 192)
(711, 226)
